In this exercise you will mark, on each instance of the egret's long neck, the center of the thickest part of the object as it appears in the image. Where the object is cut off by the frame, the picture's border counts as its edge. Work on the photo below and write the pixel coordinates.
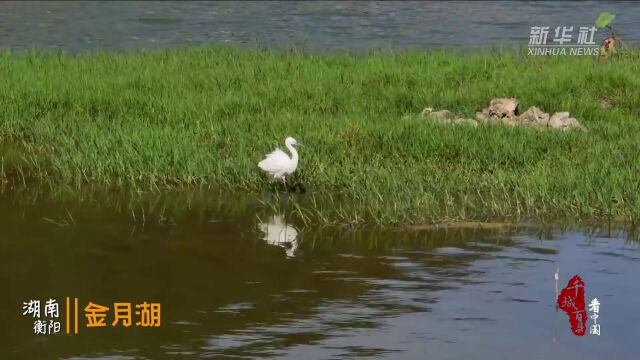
(294, 153)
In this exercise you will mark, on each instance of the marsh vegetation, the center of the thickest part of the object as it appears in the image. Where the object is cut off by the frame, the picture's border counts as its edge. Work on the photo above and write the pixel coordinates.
(203, 117)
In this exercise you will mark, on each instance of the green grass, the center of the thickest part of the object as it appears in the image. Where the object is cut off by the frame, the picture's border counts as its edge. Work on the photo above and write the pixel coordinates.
(205, 117)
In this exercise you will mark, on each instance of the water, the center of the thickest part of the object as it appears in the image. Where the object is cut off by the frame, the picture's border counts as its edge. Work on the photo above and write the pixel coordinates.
(233, 285)
(315, 26)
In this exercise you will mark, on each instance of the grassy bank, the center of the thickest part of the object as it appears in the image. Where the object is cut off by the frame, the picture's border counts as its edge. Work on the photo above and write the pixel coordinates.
(207, 116)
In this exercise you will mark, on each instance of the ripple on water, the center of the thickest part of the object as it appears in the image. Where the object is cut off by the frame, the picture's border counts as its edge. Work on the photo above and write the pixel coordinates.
(236, 308)
(472, 318)
(618, 255)
(454, 251)
(185, 322)
(542, 251)
(512, 299)
(108, 357)
(301, 291)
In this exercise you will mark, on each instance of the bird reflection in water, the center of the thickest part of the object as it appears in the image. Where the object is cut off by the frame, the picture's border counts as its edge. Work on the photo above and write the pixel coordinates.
(277, 232)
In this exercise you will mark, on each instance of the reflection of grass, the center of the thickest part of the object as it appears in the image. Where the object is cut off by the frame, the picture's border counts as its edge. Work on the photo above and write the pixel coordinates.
(62, 222)
(183, 118)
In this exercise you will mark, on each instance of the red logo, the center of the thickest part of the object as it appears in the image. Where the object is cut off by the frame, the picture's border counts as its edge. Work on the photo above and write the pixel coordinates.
(571, 301)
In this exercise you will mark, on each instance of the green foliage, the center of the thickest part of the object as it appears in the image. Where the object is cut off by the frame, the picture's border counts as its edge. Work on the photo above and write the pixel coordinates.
(205, 117)
(604, 18)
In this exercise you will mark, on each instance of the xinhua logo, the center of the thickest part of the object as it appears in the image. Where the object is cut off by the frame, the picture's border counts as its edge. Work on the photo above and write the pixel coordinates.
(562, 41)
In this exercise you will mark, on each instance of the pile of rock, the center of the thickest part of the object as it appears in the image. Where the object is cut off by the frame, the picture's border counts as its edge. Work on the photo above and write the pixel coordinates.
(447, 117)
(505, 111)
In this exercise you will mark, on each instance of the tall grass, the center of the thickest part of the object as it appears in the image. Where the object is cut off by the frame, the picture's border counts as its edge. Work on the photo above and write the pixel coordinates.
(206, 116)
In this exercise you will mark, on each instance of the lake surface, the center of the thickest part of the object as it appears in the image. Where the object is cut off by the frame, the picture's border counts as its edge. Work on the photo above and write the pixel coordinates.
(310, 25)
(234, 281)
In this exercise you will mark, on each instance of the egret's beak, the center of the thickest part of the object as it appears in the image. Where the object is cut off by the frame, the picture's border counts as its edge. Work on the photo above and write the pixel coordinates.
(298, 144)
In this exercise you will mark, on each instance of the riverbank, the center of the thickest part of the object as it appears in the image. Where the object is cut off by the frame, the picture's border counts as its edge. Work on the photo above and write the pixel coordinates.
(206, 117)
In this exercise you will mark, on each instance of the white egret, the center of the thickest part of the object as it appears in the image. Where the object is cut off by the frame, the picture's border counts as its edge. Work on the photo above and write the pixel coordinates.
(278, 164)
(277, 232)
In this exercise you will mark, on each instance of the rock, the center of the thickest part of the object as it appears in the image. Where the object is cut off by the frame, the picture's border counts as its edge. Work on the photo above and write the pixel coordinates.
(463, 121)
(505, 111)
(441, 116)
(499, 111)
(562, 120)
(441, 121)
(502, 108)
(426, 111)
(534, 117)
(482, 118)
(447, 117)
(559, 120)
